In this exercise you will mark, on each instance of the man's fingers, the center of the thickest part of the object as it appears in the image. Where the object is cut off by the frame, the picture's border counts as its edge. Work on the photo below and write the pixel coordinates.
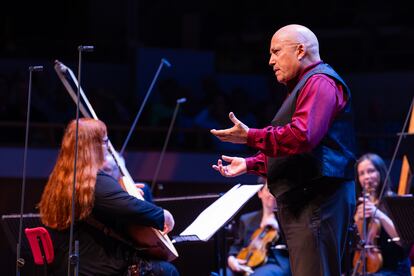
(227, 158)
(233, 118)
(219, 132)
(217, 168)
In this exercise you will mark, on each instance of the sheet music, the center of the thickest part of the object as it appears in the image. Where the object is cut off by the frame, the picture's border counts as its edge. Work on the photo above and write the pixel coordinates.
(218, 213)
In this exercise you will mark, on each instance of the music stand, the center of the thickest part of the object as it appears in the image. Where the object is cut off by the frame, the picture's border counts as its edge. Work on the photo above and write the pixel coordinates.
(407, 150)
(401, 211)
(214, 218)
(10, 224)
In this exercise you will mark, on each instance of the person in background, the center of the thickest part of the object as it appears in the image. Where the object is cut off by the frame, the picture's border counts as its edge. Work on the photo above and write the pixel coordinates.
(277, 259)
(370, 177)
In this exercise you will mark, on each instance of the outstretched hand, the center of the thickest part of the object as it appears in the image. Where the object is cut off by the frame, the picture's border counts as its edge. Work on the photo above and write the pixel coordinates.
(236, 166)
(236, 134)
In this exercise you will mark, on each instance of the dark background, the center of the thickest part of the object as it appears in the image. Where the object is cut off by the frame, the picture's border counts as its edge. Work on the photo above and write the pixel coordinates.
(368, 42)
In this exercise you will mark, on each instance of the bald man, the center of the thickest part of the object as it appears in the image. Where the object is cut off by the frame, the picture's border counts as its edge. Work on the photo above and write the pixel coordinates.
(306, 153)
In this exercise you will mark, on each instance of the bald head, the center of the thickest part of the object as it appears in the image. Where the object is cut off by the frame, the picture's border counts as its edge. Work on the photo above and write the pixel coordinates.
(300, 34)
(292, 49)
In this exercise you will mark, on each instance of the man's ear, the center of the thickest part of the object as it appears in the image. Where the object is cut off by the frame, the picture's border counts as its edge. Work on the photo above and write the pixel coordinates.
(301, 50)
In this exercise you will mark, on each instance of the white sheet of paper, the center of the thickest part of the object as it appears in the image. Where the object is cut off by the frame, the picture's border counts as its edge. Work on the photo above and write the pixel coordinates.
(220, 211)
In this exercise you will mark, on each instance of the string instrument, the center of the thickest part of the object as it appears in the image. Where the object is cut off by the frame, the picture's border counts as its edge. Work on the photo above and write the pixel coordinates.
(373, 257)
(154, 243)
(255, 253)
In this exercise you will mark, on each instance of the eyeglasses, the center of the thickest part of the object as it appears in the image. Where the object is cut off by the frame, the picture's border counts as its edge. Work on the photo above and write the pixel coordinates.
(105, 140)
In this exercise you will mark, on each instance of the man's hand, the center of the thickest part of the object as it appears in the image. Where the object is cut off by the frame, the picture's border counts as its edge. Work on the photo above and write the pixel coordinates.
(236, 167)
(236, 135)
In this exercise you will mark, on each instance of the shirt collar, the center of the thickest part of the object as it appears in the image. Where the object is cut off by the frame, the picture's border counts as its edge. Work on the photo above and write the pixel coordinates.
(308, 68)
(293, 83)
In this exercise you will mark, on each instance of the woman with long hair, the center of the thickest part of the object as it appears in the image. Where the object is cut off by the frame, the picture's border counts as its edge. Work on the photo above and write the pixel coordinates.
(98, 196)
(370, 173)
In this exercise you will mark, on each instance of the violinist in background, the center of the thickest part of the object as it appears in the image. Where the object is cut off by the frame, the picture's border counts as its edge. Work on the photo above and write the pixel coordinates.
(276, 261)
(99, 196)
(371, 173)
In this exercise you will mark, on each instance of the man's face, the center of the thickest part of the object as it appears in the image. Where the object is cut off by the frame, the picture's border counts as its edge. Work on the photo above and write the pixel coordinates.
(284, 58)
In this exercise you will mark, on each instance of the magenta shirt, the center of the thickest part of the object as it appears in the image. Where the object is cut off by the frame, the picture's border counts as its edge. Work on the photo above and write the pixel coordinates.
(317, 105)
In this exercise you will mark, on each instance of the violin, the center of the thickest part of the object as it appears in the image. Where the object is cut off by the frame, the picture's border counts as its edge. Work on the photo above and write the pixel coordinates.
(255, 253)
(373, 257)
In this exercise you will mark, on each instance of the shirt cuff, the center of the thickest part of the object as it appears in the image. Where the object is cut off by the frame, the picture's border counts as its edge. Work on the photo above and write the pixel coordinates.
(252, 137)
(251, 164)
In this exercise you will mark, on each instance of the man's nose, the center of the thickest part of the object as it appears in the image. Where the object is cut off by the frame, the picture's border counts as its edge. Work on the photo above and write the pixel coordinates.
(271, 61)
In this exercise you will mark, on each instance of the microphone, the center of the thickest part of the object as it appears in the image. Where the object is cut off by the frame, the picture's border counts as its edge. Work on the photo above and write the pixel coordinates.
(36, 68)
(85, 48)
(19, 260)
(181, 100)
(73, 259)
(166, 62)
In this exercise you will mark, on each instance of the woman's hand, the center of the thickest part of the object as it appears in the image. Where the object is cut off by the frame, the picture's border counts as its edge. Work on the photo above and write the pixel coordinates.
(370, 210)
(238, 265)
(140, 187)
(168, 222)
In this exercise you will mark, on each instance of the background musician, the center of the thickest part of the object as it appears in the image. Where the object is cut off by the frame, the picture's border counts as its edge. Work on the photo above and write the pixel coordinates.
(277, 262)
(370, 175)
(100, 196)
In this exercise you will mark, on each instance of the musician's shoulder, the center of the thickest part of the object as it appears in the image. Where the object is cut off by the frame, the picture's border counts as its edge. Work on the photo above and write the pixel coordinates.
(105, 181)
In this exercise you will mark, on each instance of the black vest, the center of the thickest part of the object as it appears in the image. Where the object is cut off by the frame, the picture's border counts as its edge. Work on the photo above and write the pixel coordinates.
(333, 157)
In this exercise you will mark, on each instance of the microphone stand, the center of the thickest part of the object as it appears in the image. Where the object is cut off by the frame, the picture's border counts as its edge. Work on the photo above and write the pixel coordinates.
(20, 261)
(163, 61)
(164, 148)
(74, 256)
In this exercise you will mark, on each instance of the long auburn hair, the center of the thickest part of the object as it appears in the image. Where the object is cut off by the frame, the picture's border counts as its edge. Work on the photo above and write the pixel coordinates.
(55, 204)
